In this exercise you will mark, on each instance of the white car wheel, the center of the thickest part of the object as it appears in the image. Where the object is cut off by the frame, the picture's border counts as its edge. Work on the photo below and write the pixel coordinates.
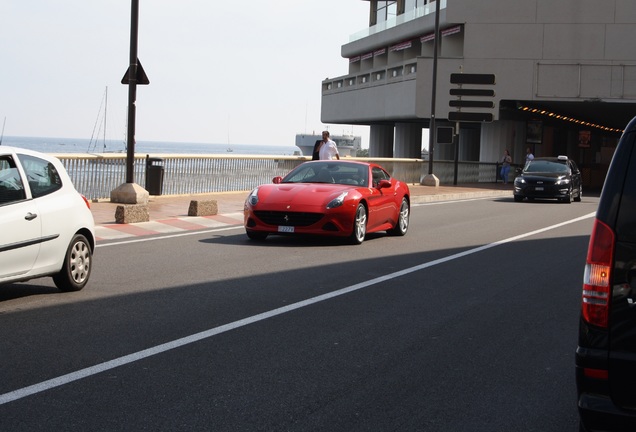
(77, 265)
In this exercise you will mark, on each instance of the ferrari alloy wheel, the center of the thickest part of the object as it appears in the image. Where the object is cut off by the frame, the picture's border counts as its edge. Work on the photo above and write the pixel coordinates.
(402, 224)
(359, 225)
(77, 265)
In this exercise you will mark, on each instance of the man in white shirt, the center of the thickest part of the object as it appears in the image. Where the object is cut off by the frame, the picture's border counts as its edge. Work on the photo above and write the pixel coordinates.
(529, 155)
(328, 149)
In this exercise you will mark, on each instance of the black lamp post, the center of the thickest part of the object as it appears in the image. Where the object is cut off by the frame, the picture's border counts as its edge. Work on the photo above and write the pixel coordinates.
(132, 92)
(432, 134)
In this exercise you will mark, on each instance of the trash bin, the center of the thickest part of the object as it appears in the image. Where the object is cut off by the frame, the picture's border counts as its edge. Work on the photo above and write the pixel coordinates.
(154, 175)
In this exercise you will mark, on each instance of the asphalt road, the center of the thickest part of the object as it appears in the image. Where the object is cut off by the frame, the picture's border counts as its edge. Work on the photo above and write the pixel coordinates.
(468, 323)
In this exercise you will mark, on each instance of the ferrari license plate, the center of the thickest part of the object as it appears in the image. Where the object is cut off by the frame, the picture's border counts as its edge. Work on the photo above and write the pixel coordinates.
(285, 229)
(539, 188)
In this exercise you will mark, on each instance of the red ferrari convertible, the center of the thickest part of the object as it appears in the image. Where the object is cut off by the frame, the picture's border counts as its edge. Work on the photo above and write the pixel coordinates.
(333, 198)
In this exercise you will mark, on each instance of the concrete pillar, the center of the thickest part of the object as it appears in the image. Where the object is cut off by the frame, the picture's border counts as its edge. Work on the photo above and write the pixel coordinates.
(381, 141)
(408, 140)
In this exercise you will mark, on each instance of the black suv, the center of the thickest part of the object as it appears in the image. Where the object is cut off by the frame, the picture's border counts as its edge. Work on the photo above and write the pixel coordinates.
(606, 352)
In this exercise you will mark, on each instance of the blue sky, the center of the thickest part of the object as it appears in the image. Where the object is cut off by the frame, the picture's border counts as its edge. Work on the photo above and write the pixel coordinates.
(217, 74)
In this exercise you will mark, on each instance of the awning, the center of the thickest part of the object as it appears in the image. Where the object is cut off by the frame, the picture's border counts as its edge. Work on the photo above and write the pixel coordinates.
(446, 32)
(401, 46)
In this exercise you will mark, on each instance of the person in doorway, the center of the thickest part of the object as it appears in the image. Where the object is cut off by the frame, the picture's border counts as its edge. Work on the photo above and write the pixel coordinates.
(529, 155)
(506, 160)
(328, 149)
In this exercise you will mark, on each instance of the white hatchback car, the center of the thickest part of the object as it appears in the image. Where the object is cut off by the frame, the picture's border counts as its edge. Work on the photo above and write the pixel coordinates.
(46, 226)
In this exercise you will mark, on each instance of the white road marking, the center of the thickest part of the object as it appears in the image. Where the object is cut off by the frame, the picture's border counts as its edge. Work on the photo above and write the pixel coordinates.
(140, 355)
(163, 237)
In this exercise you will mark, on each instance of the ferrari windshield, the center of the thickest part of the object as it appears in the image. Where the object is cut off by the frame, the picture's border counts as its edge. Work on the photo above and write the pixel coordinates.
(329, 172)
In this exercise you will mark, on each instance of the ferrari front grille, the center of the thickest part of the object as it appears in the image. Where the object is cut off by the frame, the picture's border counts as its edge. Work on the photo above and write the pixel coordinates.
(288, 218)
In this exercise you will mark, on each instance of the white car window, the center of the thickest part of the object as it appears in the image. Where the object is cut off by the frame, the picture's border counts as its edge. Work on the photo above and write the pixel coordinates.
(42, 176)
(11, 186)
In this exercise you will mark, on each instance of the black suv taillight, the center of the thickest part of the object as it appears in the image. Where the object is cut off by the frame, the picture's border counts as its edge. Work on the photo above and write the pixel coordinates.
(596, 280)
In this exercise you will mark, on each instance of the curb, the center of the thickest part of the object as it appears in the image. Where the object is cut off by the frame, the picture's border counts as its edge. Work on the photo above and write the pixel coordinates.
(460, 196)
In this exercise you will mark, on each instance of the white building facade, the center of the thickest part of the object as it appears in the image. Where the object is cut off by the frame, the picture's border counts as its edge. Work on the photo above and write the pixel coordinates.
(565, 78)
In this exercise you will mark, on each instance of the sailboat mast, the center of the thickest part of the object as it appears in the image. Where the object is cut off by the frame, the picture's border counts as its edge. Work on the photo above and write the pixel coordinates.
(105, 112)
(2, 135)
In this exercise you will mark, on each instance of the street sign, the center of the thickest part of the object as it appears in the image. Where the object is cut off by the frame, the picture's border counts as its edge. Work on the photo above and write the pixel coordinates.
(460, 116)
(471, 79)
(472, 92)
(481, 79)
(471, 103)
(142, 78)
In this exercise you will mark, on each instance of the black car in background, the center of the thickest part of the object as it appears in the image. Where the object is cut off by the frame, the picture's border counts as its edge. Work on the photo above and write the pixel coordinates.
(606, 352)
(549, 177)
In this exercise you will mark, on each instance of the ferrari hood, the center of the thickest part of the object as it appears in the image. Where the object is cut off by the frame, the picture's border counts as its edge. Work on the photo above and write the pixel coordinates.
(299, 194)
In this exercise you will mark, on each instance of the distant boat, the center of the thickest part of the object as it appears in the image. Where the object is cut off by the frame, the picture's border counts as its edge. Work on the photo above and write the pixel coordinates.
(229, 150)
(348, 145)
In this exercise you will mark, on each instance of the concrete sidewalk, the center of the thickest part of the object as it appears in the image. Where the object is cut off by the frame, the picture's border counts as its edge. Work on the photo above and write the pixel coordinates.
(169, 214)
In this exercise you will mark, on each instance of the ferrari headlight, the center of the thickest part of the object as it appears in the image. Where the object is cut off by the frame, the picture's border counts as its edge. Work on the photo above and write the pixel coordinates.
(562, 181)
(520, 180)
(337, 202)
(253, 197)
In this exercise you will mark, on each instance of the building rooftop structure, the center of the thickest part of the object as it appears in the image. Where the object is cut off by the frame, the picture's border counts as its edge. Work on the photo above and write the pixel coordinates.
(564, 77)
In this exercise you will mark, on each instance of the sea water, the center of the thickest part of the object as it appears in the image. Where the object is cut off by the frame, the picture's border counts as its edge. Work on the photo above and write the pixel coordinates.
(77, 145)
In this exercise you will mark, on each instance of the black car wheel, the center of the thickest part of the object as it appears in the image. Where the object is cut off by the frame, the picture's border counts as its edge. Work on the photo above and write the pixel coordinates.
(518, 198)
(77, 265)
(579, 195)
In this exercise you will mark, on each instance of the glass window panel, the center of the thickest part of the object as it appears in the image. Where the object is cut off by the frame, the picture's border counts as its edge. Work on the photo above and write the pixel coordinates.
(11, 187)
(42, 176)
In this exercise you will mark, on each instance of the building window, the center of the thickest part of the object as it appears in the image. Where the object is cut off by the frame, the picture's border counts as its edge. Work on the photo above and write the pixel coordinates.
(414, 4)
(386, 10)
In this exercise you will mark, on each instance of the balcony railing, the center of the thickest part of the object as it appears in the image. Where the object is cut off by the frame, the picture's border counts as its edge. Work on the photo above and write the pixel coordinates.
(418, 12)
(96, 175)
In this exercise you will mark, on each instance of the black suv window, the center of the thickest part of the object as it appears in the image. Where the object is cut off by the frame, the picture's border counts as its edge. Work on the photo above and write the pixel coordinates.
(575, 169)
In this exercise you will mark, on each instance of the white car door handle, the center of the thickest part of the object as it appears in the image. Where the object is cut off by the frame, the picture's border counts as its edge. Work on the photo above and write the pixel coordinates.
(30, 216)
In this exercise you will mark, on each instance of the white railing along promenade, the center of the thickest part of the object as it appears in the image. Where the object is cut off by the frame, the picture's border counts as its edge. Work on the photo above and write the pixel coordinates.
(96, 175)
